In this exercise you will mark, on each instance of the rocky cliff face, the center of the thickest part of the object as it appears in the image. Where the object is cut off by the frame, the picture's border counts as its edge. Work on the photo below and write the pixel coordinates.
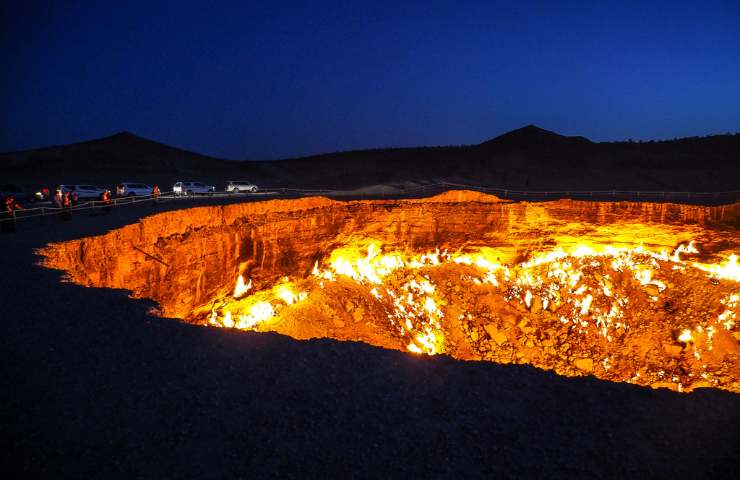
(182, 259)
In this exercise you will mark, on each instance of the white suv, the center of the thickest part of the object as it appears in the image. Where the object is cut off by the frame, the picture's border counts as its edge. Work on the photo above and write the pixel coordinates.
(191, 188)
(129, 189)
(235, 186)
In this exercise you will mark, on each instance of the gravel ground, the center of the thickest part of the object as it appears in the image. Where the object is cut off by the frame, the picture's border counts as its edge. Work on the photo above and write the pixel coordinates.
(94, 387)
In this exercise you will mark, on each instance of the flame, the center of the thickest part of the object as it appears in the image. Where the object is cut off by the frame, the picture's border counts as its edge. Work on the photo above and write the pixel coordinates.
(685, 336)
(289, 296)
(413, 348)
(227, 320)
(729, 314)
(417, 313)
(256, 309)
(728, 270)
(259, 312)
(241, 288)
(370, 268)
(683, 248)
(590, 289)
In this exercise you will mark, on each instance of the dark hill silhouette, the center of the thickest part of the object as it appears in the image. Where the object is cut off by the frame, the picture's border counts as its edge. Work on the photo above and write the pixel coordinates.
(534, 158)
(122, 152)
(526, 158)
(529, 137)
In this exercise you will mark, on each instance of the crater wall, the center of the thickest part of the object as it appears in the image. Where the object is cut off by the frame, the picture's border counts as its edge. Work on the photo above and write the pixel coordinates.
(183, 258)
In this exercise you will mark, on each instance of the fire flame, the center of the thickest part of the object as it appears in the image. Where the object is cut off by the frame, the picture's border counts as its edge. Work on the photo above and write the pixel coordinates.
(728, 270)
(255, 309)
(241, 288)
(585, 288)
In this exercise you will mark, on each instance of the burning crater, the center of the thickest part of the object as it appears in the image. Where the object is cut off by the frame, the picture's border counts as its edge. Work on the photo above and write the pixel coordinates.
(630, 292)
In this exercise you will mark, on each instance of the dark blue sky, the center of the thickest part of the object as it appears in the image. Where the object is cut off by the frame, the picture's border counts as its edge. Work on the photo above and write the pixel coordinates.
(276, 79)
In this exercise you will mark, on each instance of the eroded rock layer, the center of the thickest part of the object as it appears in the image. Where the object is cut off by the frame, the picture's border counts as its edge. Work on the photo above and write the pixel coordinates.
(636, 292)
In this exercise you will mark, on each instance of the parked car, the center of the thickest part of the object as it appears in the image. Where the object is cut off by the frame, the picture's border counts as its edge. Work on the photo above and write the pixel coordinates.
(84, 191)
(192, 188)
(129, 189)
(238, 186)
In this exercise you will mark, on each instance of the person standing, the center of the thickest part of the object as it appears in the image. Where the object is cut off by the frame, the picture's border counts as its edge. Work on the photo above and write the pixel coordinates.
(8, 215)
(67, 206)
(58, 197)
(105, 198)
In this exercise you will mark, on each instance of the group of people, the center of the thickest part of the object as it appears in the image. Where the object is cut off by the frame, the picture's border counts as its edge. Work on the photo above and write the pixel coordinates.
(63, 199)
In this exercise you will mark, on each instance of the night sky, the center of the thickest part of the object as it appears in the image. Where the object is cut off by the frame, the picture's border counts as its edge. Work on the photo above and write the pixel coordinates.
(279, 79)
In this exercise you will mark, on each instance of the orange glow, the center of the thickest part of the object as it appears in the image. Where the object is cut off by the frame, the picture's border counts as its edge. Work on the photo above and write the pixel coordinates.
(585, 288)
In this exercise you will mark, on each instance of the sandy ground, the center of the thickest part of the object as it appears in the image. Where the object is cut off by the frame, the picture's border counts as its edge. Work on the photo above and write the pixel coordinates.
(93, 387)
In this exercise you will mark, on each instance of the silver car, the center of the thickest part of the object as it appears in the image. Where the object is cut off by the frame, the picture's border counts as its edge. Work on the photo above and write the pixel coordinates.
(191, 188)
(130, 189)
(238, 186)
(84, 191)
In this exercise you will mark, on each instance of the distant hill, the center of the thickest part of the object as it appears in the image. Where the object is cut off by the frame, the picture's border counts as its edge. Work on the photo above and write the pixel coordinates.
(534, 158)
(526, 158)
(122, 151)
(530, 137)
